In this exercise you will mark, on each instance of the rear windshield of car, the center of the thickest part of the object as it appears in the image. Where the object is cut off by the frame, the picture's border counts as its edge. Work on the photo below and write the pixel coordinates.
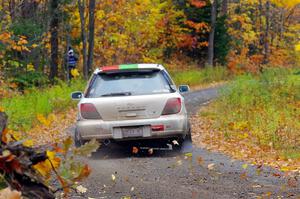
(128, 83)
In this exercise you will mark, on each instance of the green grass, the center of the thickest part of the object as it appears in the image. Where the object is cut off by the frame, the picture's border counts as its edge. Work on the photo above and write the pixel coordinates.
(195, 77)
(266, 106)
(22, 110)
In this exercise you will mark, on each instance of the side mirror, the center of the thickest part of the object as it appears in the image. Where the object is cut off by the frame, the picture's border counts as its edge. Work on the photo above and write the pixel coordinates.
(184, 88)
(76, 95)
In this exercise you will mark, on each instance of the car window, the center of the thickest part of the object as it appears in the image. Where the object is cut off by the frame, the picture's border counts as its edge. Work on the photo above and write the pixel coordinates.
(129, 83)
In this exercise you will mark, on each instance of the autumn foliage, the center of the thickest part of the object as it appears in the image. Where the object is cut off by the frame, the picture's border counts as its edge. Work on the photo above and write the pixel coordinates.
(31, 170)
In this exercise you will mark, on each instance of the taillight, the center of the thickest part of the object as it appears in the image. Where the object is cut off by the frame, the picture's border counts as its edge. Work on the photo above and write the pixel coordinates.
(158, 127)
(173, 106)
(89, 111)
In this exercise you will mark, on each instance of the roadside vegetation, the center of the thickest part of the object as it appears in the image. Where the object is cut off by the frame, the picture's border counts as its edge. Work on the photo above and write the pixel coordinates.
(27, 108)
(258, 113)
(201, 77)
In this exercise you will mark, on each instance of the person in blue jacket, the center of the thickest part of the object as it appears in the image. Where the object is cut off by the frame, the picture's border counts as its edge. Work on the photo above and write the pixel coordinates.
(72, 61)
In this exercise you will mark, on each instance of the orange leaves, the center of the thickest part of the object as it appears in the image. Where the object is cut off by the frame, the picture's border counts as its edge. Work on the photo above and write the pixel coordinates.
(198, 3)
(187, 41)
(199, 27)
(5, 37)
(85, 171)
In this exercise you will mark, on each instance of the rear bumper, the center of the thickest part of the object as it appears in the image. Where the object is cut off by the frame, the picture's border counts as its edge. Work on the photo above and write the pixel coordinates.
(174, 125)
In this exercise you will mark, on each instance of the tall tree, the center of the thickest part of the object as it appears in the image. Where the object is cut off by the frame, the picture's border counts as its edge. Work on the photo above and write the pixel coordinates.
(81, 8)
(91, 34)
(267, 29)
(54, 23)
(211, 38)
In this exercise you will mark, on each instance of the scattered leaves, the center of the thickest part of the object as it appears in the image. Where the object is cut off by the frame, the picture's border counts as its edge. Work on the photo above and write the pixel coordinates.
(135, 150)
(211, 166)
(81, 189)
(113, 177)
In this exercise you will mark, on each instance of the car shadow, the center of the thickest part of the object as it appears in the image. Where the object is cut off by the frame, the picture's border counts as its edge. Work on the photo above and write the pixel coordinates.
(125, 150)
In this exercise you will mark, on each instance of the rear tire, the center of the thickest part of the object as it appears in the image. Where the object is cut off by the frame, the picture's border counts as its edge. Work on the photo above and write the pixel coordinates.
(189, 135)
(77, 139)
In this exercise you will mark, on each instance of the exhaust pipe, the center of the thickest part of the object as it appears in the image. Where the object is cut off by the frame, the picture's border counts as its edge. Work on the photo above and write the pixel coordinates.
(106, 142)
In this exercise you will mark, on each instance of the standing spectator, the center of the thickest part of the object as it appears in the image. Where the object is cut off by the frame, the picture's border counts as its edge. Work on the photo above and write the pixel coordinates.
(72, 60)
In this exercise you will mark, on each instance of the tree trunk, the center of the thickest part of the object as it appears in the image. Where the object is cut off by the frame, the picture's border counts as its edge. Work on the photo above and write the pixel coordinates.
(81, 8)
(224, 7)
(212, 33)
(266, 38)
(54, 39)
(12, 7)
(91, 34)
(282, 13)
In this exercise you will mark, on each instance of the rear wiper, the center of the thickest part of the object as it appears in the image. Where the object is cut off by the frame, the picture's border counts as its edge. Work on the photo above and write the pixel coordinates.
(117, 94)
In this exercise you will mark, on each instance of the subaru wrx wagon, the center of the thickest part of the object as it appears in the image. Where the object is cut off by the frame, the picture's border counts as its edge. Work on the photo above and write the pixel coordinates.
(131, 102)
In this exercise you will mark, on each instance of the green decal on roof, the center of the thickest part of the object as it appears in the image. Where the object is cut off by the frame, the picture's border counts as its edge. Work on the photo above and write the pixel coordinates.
(128, 66)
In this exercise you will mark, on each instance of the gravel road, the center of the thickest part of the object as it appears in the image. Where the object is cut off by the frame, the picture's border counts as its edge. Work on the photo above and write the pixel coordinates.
(175, 174)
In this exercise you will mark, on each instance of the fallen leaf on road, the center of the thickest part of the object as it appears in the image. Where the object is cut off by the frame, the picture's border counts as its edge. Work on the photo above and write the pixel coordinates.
(150, 151)
(256, 186)
(125, 197)
(113, 177)
(200, 160)
(189, 155)
(211, 166)
(81, 189)
(179, 162)
(135, 150)
(245, 166)
(175, 142)
(277, 175)
(292, 182)
(194, 195)
(132, 189)
(243, 176)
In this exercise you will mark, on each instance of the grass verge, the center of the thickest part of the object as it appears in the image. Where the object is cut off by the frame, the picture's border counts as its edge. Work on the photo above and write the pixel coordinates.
(258, 115)
(23, 110)
(196, 77)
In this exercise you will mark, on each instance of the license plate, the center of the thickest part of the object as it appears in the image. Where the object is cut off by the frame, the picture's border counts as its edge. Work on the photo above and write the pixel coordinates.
(132, 132)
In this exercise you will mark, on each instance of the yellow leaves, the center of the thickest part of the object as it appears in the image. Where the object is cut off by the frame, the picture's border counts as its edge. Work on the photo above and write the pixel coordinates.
(46, 121)
(74, 73)
(1, 109)
(34, 45)
(286, 3)
(28, 143)
(245, 166)
(20, 48)
(22, 41)
(45, 168)
(30, 67)
(100, 14)
(297, 47)
(188, 155)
